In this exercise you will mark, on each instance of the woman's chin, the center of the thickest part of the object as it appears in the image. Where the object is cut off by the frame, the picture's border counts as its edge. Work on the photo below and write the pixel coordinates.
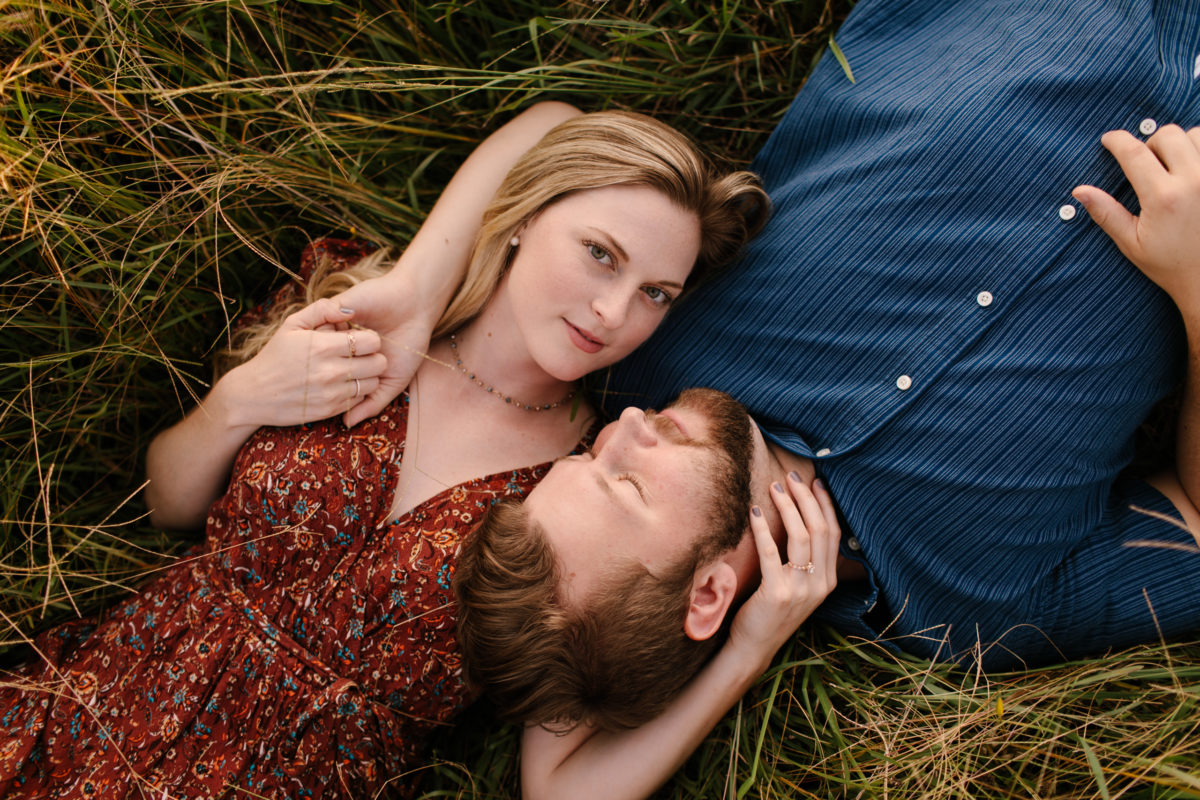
(574, 366)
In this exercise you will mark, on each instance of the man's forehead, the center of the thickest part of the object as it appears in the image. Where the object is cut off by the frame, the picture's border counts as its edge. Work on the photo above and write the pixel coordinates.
(582, 516)
(606, 488)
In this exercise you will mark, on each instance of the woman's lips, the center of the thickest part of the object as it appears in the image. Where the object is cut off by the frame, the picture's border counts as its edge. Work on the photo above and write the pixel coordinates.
(583, 340)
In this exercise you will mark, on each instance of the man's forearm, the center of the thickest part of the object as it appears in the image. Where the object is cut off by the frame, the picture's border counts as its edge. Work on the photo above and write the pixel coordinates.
(1163, 241)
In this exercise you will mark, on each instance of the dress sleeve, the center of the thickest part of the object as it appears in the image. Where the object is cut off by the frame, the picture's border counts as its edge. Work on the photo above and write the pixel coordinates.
(342, 253)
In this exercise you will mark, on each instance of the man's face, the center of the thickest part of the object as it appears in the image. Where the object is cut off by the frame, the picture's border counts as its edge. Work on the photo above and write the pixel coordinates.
(654, 488)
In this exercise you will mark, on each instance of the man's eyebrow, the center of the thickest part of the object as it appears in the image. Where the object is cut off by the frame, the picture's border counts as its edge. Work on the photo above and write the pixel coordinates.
(608, 490)
(670, 431)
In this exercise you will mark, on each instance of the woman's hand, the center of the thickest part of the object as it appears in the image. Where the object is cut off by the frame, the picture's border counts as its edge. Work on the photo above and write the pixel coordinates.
(406, 304)
(309, 370)
(789, 592)
(1163, 240)
(389, 305)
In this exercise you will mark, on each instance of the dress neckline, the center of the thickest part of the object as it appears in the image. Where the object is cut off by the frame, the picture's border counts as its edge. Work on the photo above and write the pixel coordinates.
(401, 406)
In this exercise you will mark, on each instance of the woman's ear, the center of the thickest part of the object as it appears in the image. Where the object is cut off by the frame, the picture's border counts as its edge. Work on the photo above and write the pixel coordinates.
(713, 590)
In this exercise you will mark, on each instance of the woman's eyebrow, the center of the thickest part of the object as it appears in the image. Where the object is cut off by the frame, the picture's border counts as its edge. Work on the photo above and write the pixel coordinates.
(610, 241)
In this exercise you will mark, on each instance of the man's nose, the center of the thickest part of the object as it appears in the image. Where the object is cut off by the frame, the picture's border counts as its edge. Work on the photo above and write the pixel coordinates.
(636, 429)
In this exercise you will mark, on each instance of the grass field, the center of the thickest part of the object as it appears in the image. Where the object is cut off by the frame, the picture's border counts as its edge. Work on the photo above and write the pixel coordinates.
(162, 163)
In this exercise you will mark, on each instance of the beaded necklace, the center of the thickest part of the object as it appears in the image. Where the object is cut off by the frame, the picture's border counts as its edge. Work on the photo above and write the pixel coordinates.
(505, 397)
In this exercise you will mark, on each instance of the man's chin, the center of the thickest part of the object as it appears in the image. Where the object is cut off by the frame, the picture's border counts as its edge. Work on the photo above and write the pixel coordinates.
(730, 431)
(714, 404)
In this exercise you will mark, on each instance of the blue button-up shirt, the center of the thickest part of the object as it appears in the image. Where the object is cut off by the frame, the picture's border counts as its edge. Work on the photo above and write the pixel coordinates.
(931, 317)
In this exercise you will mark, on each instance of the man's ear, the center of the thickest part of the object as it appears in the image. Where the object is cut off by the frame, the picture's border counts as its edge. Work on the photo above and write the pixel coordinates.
(713, 590)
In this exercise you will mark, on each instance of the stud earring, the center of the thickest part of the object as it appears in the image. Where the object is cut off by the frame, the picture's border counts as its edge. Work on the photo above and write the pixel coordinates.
(514, 241)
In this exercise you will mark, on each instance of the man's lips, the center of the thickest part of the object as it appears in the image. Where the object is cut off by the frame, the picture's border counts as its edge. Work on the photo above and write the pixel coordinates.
(583, 339)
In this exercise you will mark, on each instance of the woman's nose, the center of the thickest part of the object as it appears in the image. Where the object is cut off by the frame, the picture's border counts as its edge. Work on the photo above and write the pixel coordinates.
(611, 307)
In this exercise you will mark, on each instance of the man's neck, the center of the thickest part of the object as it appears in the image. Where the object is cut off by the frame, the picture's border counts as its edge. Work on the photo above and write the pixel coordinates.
(778, 463)
(784, 461)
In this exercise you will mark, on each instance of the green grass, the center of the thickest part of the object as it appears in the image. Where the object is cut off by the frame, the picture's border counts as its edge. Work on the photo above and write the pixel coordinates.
(162, 163)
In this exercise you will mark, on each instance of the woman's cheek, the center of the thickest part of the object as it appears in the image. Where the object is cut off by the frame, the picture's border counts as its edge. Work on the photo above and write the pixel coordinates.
(641, 326)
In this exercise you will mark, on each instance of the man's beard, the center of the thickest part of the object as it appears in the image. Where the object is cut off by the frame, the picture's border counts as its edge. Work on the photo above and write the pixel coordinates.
(731, 444)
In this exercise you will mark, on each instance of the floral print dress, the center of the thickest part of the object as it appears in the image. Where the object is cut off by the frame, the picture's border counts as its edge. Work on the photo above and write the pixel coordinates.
(304, 651)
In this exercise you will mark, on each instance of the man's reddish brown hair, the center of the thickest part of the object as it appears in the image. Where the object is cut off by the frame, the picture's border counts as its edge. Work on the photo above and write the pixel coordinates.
(615, 663)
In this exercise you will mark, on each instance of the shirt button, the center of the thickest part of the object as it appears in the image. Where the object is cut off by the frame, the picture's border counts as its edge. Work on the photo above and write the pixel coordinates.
(1067, 212)
(853, 544)
(903, 382)
(824, 451)
(984, 299)
(1148, 126)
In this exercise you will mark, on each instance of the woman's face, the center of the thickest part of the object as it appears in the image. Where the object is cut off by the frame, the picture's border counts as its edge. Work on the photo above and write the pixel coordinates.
(594, 274)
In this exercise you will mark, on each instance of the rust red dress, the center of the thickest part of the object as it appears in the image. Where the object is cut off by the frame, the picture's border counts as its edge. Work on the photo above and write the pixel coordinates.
(305, 651)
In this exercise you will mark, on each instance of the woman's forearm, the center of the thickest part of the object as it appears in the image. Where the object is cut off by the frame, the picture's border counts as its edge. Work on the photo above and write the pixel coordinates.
(405, 305)
(632, 764)
(188, 464)
(435, 261)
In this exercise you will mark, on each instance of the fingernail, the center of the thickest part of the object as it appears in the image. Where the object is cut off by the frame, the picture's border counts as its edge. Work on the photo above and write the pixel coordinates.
(756, 511)
(794, 476)
(345, 310)
(820, 484)
(777, 487)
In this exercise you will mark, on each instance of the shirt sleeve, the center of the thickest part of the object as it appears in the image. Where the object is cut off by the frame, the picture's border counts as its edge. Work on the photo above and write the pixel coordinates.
(1127, 580)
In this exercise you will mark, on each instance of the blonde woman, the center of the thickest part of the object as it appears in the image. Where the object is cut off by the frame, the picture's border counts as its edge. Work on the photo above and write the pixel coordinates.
(308, 647)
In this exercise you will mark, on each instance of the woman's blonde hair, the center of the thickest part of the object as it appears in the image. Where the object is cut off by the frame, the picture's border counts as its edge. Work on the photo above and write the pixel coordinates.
(609, 148)
(591, 151)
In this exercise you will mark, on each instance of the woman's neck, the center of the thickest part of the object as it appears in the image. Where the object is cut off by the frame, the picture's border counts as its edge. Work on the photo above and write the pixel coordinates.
(491, 348)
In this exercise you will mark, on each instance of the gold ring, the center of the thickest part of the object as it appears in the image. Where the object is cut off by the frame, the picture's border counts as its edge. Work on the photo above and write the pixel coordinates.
(350, 339)
(809, 567)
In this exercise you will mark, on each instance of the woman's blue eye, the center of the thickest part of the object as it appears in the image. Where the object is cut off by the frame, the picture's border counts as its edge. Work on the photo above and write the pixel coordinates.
(599, 253)
(656, 295)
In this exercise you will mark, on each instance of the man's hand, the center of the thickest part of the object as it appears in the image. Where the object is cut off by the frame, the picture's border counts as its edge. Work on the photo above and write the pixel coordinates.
(390, 307)
(790, 591)
(1164, 239)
